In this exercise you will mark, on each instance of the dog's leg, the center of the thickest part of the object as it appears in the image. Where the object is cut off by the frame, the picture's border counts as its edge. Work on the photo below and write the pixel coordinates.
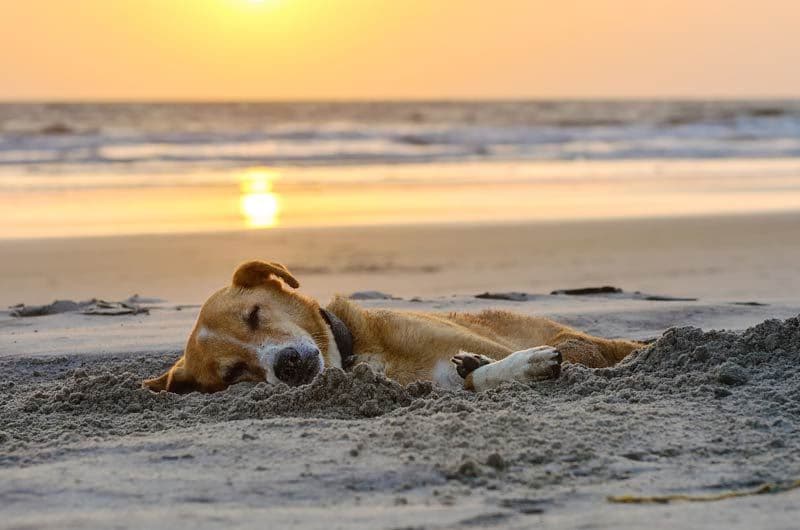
(534, 364)
(593, 352)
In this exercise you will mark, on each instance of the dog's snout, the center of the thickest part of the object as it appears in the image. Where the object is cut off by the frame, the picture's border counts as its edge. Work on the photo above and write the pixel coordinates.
(288, 356)
(295, 368)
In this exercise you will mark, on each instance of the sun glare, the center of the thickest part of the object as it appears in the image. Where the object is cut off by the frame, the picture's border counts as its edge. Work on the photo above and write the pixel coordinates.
(257, 3)
(258, 204)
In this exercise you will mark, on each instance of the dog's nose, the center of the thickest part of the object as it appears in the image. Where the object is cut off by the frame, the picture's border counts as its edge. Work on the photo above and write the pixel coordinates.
(296, 368)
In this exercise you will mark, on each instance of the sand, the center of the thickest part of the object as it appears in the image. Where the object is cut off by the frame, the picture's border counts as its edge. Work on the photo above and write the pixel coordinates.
(82, 445)
(744, 258)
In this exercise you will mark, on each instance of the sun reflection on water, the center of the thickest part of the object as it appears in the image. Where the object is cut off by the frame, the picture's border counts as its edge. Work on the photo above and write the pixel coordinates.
(258, 204)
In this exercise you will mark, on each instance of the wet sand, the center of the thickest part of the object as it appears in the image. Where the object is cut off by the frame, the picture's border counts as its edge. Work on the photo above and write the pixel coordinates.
(57, 202)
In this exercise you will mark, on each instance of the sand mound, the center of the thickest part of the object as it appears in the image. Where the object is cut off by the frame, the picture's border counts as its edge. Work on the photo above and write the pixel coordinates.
(99, 401)
(702, 364)
(334, 394)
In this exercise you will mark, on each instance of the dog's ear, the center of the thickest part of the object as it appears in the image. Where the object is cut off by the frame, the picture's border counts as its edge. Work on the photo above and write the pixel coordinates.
(177, 379)
(254, 273)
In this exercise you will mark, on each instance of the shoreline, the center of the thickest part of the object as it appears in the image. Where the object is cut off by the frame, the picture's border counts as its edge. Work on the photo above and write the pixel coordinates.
(767, 215)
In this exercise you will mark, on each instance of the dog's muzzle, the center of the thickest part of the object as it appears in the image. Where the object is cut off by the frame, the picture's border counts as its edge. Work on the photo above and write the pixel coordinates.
(295, 367)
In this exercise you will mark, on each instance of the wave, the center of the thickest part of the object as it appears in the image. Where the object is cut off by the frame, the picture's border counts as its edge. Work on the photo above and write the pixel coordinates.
(66, 137)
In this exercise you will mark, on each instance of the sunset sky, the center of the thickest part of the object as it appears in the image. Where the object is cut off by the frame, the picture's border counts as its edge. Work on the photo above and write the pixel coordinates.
(381, 49)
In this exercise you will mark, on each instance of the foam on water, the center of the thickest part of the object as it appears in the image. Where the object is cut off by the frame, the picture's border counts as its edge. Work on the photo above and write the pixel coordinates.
(179, 136)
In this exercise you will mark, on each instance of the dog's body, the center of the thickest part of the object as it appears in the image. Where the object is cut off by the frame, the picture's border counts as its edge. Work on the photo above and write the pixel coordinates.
(258, 330)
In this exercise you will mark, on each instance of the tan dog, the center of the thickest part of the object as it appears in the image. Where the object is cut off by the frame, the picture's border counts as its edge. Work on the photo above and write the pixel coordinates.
(260, 329)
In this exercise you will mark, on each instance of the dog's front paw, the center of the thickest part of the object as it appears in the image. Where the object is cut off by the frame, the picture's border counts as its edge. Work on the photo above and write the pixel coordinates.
(534, 364)
(466, 362)
(542, 362)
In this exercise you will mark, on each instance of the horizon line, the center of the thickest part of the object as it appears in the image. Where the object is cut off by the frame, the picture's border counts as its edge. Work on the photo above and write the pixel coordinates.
(521, 99)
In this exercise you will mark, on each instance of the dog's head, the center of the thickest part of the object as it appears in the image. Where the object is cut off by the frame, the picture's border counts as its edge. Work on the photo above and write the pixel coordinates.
(256, 329)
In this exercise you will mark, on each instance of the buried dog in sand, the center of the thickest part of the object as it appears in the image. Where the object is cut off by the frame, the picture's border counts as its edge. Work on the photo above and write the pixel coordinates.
(260, 329)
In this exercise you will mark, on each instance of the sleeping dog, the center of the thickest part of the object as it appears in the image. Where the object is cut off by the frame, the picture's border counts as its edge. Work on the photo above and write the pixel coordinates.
(261, 329)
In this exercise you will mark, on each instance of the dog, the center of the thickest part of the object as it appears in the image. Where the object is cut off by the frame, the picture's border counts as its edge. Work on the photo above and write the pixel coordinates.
(261, 329)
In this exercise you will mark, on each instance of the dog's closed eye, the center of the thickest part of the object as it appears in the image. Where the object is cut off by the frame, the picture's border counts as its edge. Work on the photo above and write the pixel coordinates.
(235, 372)
(253, 319)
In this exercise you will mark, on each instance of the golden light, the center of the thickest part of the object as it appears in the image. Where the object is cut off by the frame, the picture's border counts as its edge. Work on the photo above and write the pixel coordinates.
(259, 5)
(270, 3)
(258, 204)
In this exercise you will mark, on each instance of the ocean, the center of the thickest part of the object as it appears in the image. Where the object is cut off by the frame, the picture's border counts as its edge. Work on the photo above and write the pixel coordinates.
(422, 161)
(86, 137)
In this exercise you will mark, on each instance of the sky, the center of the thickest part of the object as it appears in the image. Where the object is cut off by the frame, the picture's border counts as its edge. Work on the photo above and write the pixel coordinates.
(397, 49)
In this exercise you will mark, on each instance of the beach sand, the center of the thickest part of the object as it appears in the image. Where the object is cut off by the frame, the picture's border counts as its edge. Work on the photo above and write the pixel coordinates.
(82, 445)
(741, 258)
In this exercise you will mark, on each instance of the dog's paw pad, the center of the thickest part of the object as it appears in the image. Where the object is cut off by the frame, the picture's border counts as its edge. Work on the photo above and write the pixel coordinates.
(466, 363)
